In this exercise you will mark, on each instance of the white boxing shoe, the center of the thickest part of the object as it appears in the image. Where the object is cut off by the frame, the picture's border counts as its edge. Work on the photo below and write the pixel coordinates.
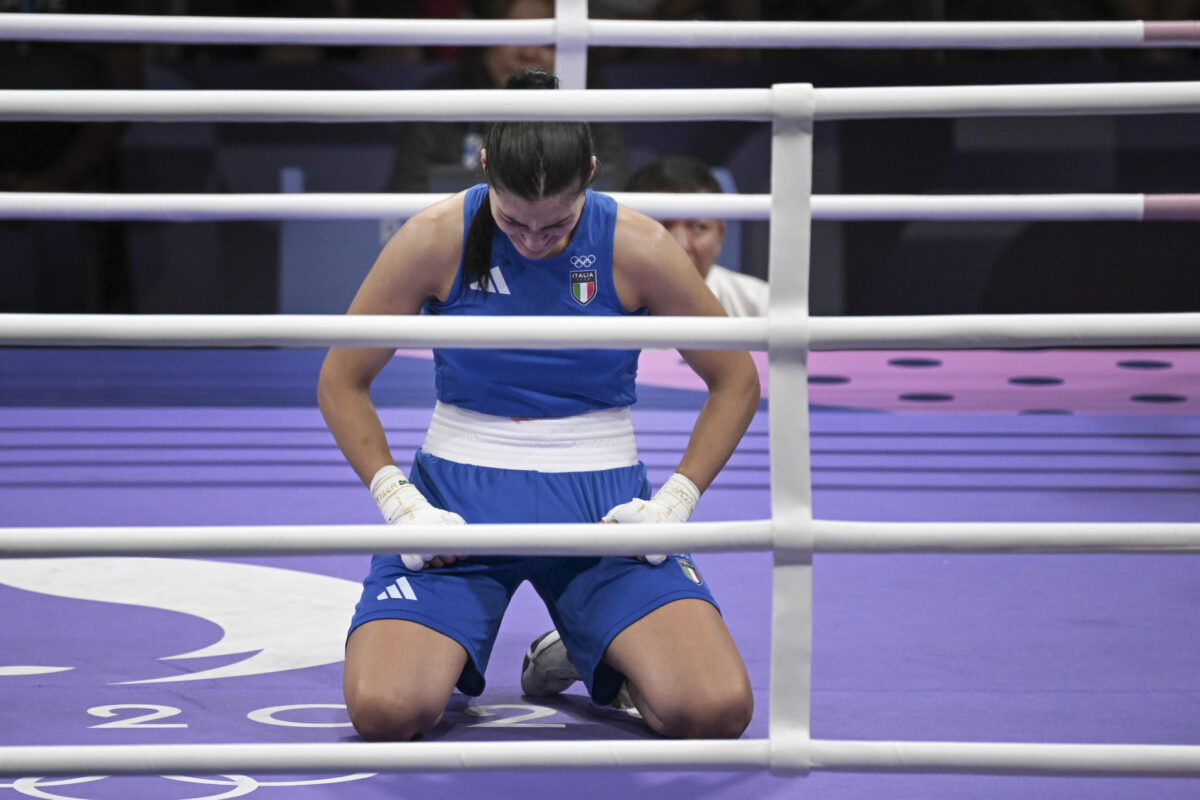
(547, 668)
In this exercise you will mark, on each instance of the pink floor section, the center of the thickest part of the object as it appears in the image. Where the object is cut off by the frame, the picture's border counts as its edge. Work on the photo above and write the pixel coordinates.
(1109, 381)
(1010, 381)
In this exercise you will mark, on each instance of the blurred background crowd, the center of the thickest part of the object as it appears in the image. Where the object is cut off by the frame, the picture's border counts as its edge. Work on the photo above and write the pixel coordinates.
(858, 268)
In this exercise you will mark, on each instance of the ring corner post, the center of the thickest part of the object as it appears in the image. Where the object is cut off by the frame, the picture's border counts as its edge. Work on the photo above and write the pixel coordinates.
(791, 484)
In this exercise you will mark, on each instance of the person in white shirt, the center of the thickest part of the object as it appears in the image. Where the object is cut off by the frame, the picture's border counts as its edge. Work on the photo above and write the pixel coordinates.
(740, 294)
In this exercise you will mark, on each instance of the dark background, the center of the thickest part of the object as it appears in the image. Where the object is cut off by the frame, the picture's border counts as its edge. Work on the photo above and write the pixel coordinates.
(858, 268)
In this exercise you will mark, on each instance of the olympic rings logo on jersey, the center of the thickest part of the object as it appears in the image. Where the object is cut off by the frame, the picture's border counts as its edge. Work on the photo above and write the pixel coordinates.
(582, 262)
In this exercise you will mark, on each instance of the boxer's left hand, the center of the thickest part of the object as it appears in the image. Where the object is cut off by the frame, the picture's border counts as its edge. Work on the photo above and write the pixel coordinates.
(673, 502)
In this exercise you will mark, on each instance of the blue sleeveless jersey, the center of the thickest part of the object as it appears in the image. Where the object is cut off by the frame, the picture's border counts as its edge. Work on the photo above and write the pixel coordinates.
(575, 283)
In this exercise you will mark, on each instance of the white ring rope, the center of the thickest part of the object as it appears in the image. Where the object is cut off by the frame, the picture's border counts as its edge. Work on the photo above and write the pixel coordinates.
(829, 536)
(556, 539)
(461, 105)
(601, 105)
(281, 30)
(691, 755)
(913, 102)
(300, 330)
(328, 206)
(839, 536)
(1002, 758)
(938, 332)
(599, 33)
(897, 35)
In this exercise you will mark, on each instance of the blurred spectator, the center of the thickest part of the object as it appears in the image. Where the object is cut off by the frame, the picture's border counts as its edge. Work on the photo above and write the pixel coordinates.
(310, 53)
(53, 156)
(741, 295)
(418, 9)
(673, 9)
(444, 156)
(678, 11)
(1155, 9)
(55, 265)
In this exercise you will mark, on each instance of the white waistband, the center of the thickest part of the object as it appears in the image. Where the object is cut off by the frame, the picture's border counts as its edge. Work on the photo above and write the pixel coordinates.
(584, 442)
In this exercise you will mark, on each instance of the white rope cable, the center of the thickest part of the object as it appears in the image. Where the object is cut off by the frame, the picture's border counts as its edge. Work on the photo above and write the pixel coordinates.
(211, 207)
(829, 536)
(839, 536)
(385, 105)
(169, 29)
(874, 35)
(1007, 758)
(912, 102)
(1046, 207)
(299, 330)
(691, 755)
(601, 105)
(546, 539)
(744, 333)
(327, 206)
(599, 32)
(207, 759)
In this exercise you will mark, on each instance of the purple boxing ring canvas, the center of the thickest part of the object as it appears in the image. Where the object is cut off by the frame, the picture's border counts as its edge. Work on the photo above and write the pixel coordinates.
(1027, 648)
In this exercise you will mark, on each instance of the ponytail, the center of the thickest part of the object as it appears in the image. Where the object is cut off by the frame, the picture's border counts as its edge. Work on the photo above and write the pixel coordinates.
(477, 250)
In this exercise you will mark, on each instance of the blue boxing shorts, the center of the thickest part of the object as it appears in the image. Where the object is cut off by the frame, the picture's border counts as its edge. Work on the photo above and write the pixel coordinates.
(590, 599)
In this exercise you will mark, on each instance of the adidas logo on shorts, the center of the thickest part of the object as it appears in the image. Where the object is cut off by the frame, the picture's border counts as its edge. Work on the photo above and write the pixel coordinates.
(399, 590)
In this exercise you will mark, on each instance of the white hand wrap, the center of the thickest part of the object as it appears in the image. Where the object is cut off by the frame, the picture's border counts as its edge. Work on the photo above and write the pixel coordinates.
(674, 502)
(403, 504)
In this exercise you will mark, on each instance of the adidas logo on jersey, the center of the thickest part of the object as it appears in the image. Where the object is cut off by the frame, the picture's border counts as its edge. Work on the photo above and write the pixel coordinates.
(497, 282)
(399, 590)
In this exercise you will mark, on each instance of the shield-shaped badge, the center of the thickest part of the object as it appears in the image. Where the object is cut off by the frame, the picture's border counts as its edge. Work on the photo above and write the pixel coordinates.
(583, 285)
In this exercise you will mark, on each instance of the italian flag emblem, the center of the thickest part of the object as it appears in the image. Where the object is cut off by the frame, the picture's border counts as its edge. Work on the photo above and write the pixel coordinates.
(583, 285)
(689, 569)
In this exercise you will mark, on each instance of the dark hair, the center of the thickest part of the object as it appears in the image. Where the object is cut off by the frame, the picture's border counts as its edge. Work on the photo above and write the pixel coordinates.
(531, 159)
(674, 174)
